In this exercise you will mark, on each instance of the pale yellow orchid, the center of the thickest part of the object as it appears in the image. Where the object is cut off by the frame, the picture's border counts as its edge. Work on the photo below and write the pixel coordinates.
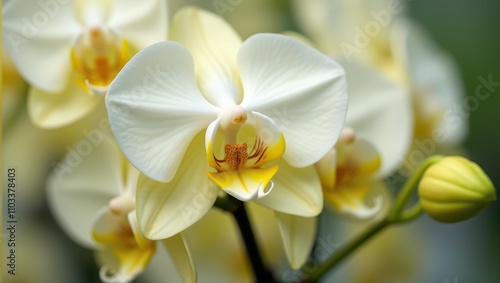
(371, 147)
(95, 205)
(379, 34)
(70, 51)
(212, 111)
(241, 14)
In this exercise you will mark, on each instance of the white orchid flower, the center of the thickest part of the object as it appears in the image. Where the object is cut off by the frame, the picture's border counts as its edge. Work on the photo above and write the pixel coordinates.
(378, 33)
(210, 105)
(374, 143)
(95, 204)
(70, 51)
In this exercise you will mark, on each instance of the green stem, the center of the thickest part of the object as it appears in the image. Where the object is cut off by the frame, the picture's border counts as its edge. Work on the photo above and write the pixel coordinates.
(397, 214)
(237, 209)
(410, 213)
(262, 274)
(409, 188)
(344, 251)
(227, 204)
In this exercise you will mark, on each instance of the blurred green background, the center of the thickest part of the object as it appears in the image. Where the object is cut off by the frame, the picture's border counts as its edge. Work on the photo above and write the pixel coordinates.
(470, 32)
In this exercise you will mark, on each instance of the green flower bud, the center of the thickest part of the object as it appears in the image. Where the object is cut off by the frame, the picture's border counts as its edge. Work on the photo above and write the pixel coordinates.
(455, 189)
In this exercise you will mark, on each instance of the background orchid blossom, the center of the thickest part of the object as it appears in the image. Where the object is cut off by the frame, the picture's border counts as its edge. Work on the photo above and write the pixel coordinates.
(95, 204)
(262, 93)
(70, 51)
(372, 145)
(401, 49)
(434, 82)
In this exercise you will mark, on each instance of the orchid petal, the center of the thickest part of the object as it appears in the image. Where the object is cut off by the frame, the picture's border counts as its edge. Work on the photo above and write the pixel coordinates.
(327, 168)
(81, 185)
(357, 165)
(131, 263)
(210, 145)
(131, 175)
(154, 96)
(267, 232)
(221, 237)
(140, 23)
(214, 46)
(270, 139)
(298, 234)
(381, 110)
(351, 201)
(129, 257)
(111, 229)
(161, 266)
(179, 250)
(331, 23)
(245, 184)
(53, 110)
(38, 38)
(142, 242)
(371, 202)
(434, 76)
(92, 12)
(296, 191)
(359, 158)
(165, 209)
(305, 95)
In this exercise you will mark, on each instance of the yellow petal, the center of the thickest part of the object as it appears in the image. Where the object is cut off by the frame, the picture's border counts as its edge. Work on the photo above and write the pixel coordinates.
(271, 139)
(245, 184)
(132, 261)
(357, 162)
(214, 46)
(298, 234)
(352, 201)
(326, 168)
(52, 110)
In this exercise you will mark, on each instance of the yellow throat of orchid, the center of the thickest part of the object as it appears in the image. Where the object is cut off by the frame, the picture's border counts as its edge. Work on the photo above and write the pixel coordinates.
(239, 172)
(114, 231)
(347, 174)
(98, 55)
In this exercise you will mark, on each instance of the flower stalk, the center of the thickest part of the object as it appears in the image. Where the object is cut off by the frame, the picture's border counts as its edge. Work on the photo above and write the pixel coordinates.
(262, 274)
(236, 207)
(397, 214)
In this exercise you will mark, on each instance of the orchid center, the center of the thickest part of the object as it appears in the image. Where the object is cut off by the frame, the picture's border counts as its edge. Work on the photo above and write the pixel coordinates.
(98, 55)
(239, 145)
(356, 164)
(357, 161)
(131, 250)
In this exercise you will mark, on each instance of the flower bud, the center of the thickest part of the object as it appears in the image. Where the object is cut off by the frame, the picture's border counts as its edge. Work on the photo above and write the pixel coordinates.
(455, 189)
